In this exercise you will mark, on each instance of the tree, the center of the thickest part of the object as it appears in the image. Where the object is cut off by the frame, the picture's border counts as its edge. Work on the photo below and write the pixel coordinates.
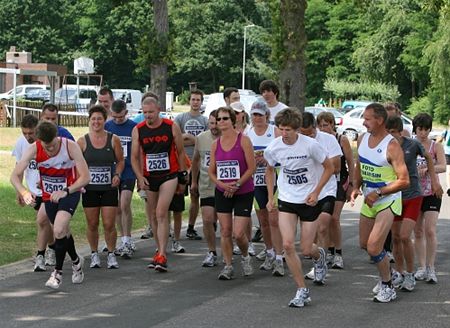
(292, 74)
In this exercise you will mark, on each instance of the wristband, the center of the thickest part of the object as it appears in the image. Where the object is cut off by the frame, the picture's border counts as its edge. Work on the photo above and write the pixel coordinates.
(24, 192)
(182, 177)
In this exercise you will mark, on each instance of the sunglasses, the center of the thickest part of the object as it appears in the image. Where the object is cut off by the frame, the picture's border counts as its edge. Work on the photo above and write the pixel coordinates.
(225, 118)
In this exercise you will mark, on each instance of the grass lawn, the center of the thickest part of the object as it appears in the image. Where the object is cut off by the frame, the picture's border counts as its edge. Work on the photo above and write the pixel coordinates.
(18, 227)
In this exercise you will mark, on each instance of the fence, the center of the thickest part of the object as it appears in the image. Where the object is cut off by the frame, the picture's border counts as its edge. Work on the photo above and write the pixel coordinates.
(68, 114)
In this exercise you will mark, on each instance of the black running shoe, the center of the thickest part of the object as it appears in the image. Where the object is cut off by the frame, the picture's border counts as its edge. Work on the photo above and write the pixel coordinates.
(192, 235)
(258, 236)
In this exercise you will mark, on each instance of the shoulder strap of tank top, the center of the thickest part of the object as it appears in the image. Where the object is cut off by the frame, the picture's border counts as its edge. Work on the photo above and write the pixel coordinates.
(88, 141)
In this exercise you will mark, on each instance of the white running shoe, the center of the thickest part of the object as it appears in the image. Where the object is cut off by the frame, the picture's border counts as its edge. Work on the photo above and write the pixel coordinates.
(421, 274)
(77, 271)
(246, 264)
(320, 268)
(55, 280)
(95, 261)
(377, 287)
(127, 251)
(176, 247)
(310, 274)
(251, 249)
(301, 298)
(39, 264)
(236, 250)
(431, 276)
(397, 279)
(50, 257)
(278, 268)
(210, 260)
(338, 262)
(385, 295)
(261, 256)
(268, 263)
(409, 282)
(227, 273)
(112, 261)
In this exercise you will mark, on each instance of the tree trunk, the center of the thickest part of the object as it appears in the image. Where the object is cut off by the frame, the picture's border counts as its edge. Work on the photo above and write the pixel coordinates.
(292, 75)
(158, 67)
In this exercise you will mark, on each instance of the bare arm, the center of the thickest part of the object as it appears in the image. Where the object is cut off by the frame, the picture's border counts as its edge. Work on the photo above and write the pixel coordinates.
(83, 176)
(120, 160)
(195, 168)
(188, 139)
(357, 178)
(327, 172)
(270, 172)
(136, 160)
(16, 177)
(247, 147)
(440, 166)
(336, 162)
(178, 139)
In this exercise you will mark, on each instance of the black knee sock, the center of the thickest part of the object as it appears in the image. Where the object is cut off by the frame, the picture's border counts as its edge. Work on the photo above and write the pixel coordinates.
(52, 246)
(70, 244)
(60, 252)
(331, 250)
(339, 251)
(41, 253)
(190, 227)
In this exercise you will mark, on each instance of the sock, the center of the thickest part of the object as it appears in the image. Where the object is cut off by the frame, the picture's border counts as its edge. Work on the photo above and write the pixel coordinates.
(339, 251)
(214, 253)
(60, 252)
(123, 239)
(52, 246)
(70, 244)
(387, 283)
(331, 250)
(190, 227)
(271, 252)
(41, 253)
(279, 257)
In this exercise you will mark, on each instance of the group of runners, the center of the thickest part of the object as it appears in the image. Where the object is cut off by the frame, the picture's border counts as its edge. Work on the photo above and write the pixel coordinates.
(290, 166)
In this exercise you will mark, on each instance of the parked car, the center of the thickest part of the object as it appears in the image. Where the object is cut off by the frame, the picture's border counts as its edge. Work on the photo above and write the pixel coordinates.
(348, 105)
(82, 95)
(316, 110)
(352, 125)
(215, 100)
(38, 95)
(131, 97)
(22, 91)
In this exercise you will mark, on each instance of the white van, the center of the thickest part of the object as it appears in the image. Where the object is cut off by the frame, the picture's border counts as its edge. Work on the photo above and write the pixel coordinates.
(22, 91)
(131, 97)
(81, 95)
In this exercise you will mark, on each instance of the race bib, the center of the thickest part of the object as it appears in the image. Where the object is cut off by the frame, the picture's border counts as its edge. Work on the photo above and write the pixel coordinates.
(228, 170)
(259, 178)
(100, 175)
(295, 177)
(195, 128)
(52, 184)
(157, 162)
(124, 140)
(207, 159)
(32, 165)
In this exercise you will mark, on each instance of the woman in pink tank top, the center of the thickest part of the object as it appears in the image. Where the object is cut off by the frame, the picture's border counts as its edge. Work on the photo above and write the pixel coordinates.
(232, 165)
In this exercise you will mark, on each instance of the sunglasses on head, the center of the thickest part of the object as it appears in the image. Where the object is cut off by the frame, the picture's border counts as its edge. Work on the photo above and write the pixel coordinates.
(225, 118)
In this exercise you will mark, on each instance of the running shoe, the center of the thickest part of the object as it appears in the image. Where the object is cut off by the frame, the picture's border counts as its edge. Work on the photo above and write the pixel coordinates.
(161, 263)
(104, 248)
(152, 263)
(119, 249)
(261, 256)
(192, 234)
(377, 287)
(50, 257)
(251, 249)
(95, 261)
(385, 295)
(278, 268)
(257, 236)
(112, 261)
(39, 264)
(133, 245)
(176, 247)
(431, 276)
(268, 263)
(210, 260)
(246, 264)
(390, 256)
(409, 282)
(330, 259)
(338, 262)
(227, 273)
(301, 298)
(77, 271)
(55, 280)
(127, 251)
(310, 274)
(397, 279)
(320, 268)
(148, 233)
(236, 250)
(421, 274)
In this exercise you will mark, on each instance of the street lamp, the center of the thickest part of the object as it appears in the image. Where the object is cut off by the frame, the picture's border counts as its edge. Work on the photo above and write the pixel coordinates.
(243, 54)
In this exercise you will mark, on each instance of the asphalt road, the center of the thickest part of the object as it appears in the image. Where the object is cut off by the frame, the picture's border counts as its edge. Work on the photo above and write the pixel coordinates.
(191, 296)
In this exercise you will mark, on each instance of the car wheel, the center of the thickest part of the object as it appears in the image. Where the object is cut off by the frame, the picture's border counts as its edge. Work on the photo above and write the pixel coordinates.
(351, 134)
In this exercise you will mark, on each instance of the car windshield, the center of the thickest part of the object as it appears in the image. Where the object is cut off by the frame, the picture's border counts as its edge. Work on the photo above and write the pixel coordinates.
(65, 93)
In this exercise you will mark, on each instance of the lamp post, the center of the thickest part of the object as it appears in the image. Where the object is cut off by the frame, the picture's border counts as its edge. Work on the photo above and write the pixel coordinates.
(243, 54)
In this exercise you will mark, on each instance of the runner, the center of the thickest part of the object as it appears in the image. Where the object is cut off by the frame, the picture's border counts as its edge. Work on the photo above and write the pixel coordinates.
(63, 171)
(270, 92)
(164, 171)
(299, 185)
(122, 126)
(105, 99)
(231, 168)
(261, 134)
(326, 123)
(412, 198)
(192, 124)
(205, 187)
(381, 172)
(103, 153)
(425, 241)
(49, 113)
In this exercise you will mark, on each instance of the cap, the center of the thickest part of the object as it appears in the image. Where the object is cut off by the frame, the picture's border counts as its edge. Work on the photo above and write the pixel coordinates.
(237, 107)
(259, 107)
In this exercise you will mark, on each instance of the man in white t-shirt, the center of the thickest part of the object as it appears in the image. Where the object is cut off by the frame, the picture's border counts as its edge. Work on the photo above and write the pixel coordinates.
(44, 230)
(270, 92)
(328, 196)
(304, 171)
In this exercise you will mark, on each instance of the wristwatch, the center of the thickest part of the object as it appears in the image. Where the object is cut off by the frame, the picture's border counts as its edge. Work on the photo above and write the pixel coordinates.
(237, 184)
(378, 191)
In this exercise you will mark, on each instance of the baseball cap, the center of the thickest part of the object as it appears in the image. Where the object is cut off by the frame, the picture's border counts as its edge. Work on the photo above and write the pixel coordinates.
(237, 107)
(259, 107)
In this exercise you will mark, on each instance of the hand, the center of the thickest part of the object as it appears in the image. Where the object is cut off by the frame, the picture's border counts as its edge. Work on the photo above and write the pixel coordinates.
(311, 200)
(270, 205)
(19, 200)
(229, 189)
(57, 195)
(143, 184)
(437, 189)
(354, 194)
(422, 171)
(115, 181)
(28, 198)
(371, 198)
